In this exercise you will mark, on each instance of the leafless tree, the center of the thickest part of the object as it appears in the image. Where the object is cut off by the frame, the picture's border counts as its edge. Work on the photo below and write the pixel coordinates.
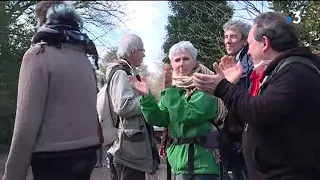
(248, 10)
(100, 17)
(156, 82)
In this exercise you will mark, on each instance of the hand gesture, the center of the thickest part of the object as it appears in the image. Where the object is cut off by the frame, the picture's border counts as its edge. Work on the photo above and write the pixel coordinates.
(231, 69)
(141, 86)
(208, 83)
(167, 78)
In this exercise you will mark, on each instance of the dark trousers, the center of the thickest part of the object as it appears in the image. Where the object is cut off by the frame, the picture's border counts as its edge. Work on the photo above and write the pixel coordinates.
(99, 158)
(126, 173)
(238, 169)
(168, 169)
(236, 163)
(112, 172)
(71, 165)
(240, 173)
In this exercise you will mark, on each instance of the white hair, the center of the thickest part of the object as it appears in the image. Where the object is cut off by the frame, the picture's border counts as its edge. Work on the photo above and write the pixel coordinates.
(128, 43)
(242, 26)
(183, 46)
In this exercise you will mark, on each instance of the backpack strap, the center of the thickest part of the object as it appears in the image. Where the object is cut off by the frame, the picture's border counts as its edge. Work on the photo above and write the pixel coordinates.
(114, 116)
(293, 59)
(300, 60)
(192, 141)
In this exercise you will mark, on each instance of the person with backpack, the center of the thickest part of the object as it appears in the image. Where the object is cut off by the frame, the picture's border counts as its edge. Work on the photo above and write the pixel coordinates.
(130, 139)
(193, 117)
(281, 112)
(56, 128)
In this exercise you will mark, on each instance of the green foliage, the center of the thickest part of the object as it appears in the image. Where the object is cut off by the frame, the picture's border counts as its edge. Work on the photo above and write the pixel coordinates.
(199, 22)
(15, 40)
(309, 27)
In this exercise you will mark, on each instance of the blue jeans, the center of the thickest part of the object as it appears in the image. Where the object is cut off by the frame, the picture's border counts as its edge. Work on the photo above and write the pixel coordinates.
(198, 177)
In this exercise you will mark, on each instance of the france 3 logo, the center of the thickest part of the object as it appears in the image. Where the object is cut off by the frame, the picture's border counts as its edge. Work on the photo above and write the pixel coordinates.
(294, 17)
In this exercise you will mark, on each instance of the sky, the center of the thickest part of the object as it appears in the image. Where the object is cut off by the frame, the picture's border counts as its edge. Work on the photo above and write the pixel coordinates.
(148, 19)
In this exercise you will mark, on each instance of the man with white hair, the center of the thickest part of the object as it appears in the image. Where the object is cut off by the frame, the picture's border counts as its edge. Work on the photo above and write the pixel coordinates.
(134, 152)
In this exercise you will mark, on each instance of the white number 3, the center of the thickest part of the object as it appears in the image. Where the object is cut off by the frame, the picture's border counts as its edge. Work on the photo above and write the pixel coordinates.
(297, 17)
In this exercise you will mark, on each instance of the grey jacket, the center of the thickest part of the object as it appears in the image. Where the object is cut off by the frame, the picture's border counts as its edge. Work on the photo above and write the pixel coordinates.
(133, 148)
(56, 106)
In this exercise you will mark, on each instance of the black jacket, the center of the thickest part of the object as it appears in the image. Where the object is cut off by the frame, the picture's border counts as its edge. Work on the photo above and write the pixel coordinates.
(282, 138)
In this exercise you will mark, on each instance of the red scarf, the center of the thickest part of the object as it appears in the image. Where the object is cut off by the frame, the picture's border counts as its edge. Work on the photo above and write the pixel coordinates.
(255, 80)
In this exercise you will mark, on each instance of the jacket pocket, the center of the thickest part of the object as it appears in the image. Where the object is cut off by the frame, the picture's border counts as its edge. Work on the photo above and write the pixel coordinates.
(133, 135)
(133, 144)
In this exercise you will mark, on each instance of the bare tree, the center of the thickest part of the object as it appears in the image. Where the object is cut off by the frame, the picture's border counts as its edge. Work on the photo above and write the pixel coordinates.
(248, 10)
(156, 81)
(100, 17)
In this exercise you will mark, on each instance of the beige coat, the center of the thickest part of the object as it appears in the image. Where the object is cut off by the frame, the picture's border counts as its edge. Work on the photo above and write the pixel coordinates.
(132, 148)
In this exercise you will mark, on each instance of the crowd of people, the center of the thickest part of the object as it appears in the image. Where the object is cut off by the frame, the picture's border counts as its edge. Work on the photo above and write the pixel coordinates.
(254, 115)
